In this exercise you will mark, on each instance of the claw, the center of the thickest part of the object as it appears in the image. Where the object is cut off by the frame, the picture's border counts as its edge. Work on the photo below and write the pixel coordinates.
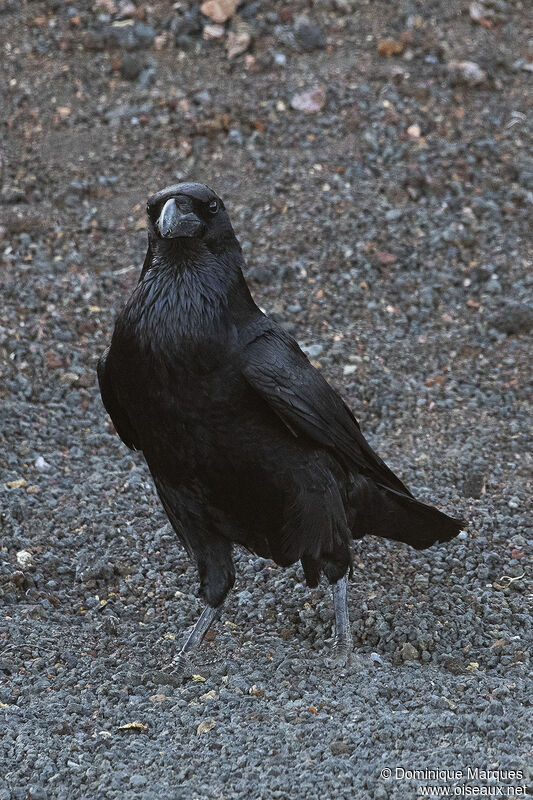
(170, 675)
(177, 667)
(174, 672)
(162, 678)
(341, 654)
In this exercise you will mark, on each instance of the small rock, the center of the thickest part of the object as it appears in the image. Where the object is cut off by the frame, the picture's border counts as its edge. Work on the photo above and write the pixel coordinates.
(466, 72)
(259, 274)
(235, 136)
(130, 67)
(94, 39)
(129, 34)
(186, 27)
(515, 318)
(383, 256)
(251, 10)
(146, 79)
(340, 747)
(17, 578)
(477, 12)
(160, 678)
(313, 350)
(474, 485)
(496, 709)
(421, 580)
(219, 10)
(41, 465)
(213, 32)
(308, 36)
(106, 5)
(144, 34)
(454, 665)
(390, 47)
(127, 9)
(238, 41)
(206, 726)
(69, 377)
(409, 653)
(100, 569)
(24, 559)
(310, 102)
(481, 14)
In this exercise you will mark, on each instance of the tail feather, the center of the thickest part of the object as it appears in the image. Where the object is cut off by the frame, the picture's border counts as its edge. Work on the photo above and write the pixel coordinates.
(384, 512)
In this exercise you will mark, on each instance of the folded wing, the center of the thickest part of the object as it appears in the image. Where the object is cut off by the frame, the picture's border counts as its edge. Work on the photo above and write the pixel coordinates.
(112, 405)
(279, 371)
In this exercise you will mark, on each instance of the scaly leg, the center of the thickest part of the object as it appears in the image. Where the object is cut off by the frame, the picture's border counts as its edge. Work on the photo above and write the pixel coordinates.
(173, 672)
(208, 615)
(342, 644)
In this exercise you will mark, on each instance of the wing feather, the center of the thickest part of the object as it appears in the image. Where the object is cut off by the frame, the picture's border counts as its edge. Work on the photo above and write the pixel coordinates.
(119, 417)
(276, 368)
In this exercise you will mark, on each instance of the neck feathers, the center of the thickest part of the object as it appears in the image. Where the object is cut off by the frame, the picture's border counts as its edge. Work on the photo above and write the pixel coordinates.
(190, 298)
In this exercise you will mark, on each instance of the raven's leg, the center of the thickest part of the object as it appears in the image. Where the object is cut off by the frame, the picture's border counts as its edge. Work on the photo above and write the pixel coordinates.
(212, 553)
(195, 638)
(173, 673)
(342, 644)
(217, 576)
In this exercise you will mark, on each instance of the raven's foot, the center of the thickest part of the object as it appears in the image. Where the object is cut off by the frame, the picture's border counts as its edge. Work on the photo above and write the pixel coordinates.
(178, 665)
(172, 674)
(341, 653)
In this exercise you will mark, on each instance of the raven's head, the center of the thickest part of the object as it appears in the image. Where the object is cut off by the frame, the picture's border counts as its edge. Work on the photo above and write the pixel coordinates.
(189, 214)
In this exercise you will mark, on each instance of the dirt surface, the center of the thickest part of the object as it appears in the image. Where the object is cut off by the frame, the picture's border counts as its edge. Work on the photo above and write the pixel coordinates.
(375, 158)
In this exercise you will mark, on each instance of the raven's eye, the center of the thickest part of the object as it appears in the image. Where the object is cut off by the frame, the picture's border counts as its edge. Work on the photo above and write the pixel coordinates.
(213, 206)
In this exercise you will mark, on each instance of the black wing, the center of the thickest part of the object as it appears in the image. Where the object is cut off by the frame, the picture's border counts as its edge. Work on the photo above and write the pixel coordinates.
(278, 370)
(118, 416)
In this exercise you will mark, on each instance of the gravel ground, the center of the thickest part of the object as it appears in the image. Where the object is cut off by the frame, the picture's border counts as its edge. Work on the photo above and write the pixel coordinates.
(386, 218)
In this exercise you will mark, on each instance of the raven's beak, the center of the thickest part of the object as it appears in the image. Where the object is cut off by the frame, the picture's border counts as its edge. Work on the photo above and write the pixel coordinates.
(173, 224)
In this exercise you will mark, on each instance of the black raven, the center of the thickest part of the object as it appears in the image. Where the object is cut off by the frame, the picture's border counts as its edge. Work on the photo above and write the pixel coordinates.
(246, 441)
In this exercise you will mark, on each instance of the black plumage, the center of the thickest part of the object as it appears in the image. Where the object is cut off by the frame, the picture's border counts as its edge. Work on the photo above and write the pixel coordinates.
(246, 441)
